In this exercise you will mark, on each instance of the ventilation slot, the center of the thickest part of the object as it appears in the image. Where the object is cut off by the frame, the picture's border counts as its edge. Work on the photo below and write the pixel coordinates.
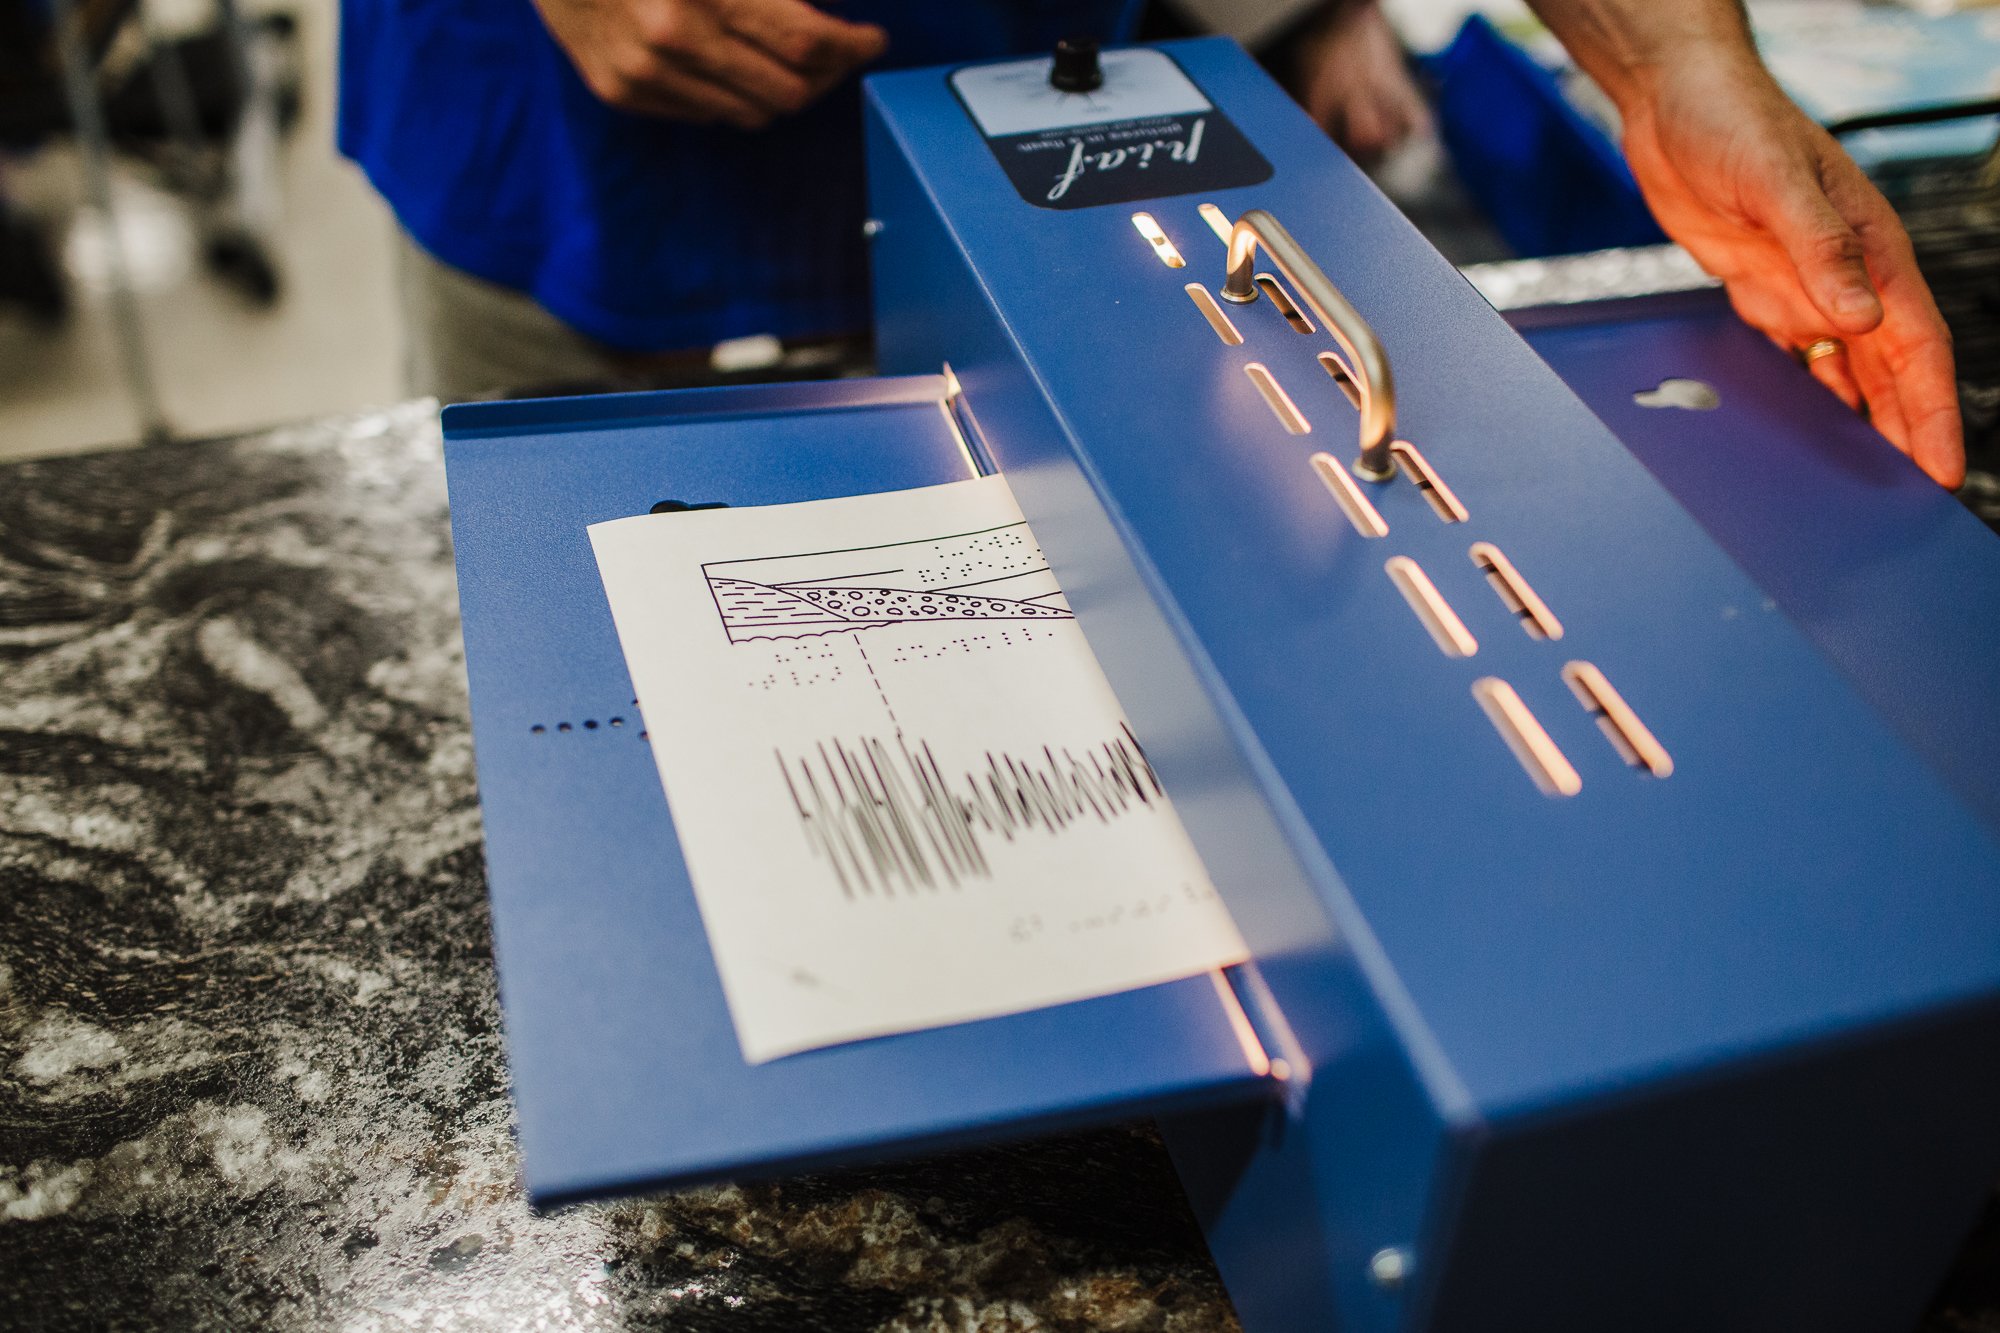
(1450, 633)
(1162, 247)
(1218, 319)
(1360, 511)
(1621, 726)
(1515, 593)
(1342, 376)
(1217, 220)
(1281, 402)
(1429, 482)
(1284, 304)
(1539, 755)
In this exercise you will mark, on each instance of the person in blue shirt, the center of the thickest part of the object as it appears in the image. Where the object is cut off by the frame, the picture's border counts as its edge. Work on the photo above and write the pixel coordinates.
(656, 176)
(596, 187)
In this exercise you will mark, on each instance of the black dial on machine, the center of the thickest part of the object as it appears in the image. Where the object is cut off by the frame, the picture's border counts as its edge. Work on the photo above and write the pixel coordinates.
(1077, 69)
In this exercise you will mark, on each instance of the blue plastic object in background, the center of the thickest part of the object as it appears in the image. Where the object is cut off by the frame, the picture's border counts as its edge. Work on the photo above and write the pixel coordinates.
(1550, 180)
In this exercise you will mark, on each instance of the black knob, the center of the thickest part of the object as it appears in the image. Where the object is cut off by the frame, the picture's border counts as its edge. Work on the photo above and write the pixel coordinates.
(1077, 69)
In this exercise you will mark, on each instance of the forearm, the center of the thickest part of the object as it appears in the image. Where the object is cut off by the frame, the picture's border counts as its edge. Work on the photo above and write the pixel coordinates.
(1623, 44)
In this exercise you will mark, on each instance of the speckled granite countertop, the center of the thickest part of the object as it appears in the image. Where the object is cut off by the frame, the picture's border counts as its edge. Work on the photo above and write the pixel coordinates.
(250, 1065)
(251, 1072)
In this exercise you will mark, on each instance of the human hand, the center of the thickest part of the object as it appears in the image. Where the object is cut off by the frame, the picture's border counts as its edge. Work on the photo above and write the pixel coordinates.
(1806, 245)
(1348, 73)
(743, 62)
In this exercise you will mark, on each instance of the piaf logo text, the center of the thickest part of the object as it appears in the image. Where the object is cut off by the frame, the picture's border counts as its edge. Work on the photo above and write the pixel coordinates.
(1088, 158)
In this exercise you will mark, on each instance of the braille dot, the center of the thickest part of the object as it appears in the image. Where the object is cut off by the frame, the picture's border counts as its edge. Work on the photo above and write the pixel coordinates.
(590, 724)
(564, 726)
(617, 721)
(539, 730)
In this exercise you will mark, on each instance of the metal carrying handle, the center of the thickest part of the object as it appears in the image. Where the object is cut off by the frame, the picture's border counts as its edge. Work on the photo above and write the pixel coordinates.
(1366, 358)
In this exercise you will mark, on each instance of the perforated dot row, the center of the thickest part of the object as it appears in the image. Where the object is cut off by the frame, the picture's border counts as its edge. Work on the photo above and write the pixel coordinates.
(588, 724)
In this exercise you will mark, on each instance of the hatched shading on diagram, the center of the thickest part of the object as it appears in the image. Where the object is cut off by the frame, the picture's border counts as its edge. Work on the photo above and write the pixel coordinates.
(890, 818)
(994, 574)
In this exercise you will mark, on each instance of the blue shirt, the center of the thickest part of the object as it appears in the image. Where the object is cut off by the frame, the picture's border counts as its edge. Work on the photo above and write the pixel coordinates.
(646, 234)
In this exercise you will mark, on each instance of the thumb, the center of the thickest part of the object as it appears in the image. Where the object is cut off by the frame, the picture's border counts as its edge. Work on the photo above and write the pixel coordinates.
(1828, 252)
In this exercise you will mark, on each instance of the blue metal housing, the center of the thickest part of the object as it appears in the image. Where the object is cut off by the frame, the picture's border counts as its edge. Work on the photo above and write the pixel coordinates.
(1705, 1051)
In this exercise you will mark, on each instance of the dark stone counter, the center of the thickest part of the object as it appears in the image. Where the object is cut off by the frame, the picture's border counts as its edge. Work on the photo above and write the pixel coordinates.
(251, 1072)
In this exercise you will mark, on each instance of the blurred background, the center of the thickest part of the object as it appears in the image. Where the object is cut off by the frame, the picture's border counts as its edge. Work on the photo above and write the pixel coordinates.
(217, 267)
(258, 264)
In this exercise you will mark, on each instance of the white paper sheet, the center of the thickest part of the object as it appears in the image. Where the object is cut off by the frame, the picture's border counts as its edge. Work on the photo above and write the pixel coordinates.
(905, 791)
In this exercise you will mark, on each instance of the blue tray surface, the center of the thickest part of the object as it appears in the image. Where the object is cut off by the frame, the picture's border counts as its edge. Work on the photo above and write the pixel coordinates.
(626, 1070)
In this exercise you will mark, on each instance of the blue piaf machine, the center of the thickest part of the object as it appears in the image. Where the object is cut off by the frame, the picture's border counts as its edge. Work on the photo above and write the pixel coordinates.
(1609, 797)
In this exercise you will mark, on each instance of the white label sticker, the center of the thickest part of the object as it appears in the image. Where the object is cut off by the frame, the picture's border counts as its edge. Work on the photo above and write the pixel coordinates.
(1016, 98)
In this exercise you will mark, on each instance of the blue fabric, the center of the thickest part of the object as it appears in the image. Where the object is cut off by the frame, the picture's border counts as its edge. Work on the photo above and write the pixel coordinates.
(645, 234)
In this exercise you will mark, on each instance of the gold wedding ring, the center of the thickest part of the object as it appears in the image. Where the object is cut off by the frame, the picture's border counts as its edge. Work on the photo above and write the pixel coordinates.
(1821, 347)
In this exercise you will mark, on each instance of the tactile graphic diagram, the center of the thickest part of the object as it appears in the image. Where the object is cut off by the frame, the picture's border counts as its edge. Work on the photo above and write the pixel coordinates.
(883, 811)
(828, 592)
(889, 818)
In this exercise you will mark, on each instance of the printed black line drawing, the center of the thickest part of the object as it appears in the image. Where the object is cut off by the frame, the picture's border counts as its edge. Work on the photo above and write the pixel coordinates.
(889, 816)
(901, 583)
(885, 811)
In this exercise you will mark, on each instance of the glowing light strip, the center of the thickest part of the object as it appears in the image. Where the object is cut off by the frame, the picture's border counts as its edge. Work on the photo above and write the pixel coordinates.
(1539, 755)
(1360, 510)
(1218, 319)
(1442, 498)
(1515, 592)
(1239, 1023)
(1452, 637)
(1163, 247)
(1282, 406)
(1615, 718)
(1217, 220)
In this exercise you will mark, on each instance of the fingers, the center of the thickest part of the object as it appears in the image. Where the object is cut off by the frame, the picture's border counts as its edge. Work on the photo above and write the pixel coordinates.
(1937, 431)
(1363, 130)
(1904, 367)
(1354, 83)
(742, 62)
(1915, 347)
(719, 98)
(747, 76)
(1914, 351)
(1897, 362)
(1826, 249)
(1900, 374)
(1879, 388)
(806, 38)
(1835, 373)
